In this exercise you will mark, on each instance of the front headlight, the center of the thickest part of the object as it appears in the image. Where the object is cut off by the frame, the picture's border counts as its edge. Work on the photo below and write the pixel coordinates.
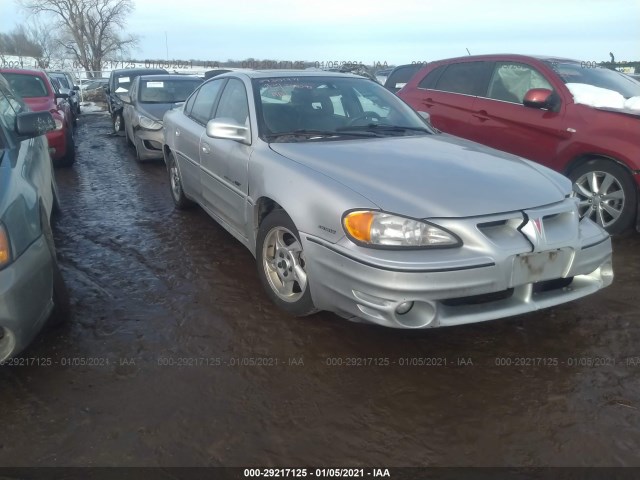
(149, 124)
(5, 249)
(379, 229)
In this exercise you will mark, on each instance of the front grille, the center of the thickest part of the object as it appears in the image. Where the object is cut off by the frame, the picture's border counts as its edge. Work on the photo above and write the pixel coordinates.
(479, 299)
(549, 285)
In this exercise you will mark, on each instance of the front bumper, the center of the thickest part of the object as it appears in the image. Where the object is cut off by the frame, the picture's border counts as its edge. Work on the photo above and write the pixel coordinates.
(26, 291)
(494, 275)
(57, 143)
(148, 143)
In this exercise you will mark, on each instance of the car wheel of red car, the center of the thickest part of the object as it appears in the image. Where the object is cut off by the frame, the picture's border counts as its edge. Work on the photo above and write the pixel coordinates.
(607, 194)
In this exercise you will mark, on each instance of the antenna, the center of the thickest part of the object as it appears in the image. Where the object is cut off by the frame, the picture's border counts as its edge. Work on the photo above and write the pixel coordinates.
(468, 51)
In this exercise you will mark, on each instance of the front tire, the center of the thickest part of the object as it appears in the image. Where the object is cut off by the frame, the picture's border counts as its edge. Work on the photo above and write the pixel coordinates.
(61, 300)
(282, 266)
(607, 194)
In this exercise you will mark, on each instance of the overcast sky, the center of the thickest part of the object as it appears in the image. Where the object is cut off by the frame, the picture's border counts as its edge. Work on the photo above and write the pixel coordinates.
(377, 31)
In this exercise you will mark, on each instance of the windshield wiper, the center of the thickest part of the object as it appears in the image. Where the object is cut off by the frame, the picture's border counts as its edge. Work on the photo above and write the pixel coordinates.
(377, 127)
(321, 133)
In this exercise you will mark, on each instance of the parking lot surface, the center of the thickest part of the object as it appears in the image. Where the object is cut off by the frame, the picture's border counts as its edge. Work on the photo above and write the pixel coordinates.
(175, 356)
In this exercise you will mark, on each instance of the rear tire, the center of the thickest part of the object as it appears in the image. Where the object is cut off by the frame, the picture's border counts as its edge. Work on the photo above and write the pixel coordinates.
(118, 122)
(607, 194)
(180, 200)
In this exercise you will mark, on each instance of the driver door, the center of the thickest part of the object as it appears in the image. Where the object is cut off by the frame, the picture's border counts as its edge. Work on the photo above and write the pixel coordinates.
(224, 163)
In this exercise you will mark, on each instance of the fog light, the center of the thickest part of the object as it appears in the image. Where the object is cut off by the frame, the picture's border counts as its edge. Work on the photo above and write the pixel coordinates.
(404, 307)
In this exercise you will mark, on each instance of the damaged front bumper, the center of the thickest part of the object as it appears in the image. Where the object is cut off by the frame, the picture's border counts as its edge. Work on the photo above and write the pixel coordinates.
(506, 266)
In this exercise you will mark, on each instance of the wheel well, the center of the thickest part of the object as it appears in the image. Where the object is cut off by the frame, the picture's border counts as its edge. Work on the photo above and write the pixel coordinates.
(264, 206)
(582, 159)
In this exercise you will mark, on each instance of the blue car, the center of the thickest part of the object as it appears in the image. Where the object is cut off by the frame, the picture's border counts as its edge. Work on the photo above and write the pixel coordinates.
(32, 290)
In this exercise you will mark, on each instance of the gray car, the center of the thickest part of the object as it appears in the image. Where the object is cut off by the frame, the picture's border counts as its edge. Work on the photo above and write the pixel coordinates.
(351, 203)
(31, 285)
(149, 97)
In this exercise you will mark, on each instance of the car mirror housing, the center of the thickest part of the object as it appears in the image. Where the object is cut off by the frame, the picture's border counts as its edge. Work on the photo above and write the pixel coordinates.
(228, 129)
(34, 124)
(541, 98)
(62, 95)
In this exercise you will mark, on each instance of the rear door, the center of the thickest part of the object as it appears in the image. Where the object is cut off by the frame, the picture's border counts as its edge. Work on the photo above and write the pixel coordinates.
(448, 93)
(188, 129)
(501, 121)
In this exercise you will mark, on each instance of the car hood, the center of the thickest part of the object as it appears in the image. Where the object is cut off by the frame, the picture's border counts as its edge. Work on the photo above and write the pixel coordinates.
(431, 176)
(155, 111)
(39, 104)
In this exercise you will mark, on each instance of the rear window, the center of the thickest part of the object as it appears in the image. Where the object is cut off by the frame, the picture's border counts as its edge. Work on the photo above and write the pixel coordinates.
(27, 86)
(166, 91)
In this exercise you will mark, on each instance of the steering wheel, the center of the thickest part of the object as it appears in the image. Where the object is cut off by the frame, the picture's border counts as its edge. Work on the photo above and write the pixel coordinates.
(364, 116)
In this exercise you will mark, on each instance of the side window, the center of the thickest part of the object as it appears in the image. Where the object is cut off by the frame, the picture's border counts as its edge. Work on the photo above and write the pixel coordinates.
(511, 80)
(9, 108)
(468, 78)
(234, 103)
(202, 108)
(189, 104)
(432, 78)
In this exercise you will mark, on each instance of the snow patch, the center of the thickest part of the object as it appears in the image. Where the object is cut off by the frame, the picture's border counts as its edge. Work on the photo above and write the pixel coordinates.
(601, 97)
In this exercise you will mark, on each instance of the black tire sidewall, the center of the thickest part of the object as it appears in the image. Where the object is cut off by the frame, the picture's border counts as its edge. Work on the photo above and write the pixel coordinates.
(183, 202)
(626, 219)
(279, 218)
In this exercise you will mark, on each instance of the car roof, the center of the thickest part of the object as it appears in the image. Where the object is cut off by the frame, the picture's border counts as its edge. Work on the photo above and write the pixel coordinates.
(25, 71)
(138, 71)
(288, 74)
(169, 77)
(510, 56)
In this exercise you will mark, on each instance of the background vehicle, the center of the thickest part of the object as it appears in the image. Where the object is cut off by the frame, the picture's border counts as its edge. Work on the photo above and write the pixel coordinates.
(399, 76)
(35, 88)
(31, 285)
(523, 105)
(67, 86)
(94, 84)
(351, 203)
(382, 75)
(119, 82)
(146, 103)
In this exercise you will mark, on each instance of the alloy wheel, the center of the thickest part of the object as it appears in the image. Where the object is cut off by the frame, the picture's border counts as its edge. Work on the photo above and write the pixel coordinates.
(601, 197)
(284, 265)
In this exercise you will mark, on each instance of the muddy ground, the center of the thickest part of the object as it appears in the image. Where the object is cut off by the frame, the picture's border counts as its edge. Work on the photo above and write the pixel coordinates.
(168, 306)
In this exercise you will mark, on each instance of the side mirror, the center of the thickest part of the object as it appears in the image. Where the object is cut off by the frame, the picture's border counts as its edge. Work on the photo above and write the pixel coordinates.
(228, 129)
(107, 90)
(541, 98)
(62, 95)
(76, 87)
(34, 124)
(125, 97)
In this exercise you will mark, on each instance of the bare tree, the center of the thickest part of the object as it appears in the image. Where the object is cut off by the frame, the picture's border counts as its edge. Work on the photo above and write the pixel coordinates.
(91, 29)
(18, 42)
(48, 41)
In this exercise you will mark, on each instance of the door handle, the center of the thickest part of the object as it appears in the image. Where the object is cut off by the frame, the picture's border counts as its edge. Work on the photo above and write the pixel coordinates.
(206, 148)
(428, 102)
(481, 115)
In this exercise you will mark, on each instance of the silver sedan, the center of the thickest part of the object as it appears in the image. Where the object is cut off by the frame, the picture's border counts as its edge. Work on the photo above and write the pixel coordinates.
(352, 203)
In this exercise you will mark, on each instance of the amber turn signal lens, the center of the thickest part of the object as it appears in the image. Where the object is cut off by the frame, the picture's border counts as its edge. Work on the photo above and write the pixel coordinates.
(5, 253)
(358, 225)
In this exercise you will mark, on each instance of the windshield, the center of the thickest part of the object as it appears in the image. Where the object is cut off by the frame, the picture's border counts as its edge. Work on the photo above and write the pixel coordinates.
(166, 91)
(27, 86)
(344, 107)
(598, 77)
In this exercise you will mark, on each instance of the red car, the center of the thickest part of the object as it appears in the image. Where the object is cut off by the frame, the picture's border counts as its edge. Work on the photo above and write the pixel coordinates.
(39, 94)
(525, 106)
